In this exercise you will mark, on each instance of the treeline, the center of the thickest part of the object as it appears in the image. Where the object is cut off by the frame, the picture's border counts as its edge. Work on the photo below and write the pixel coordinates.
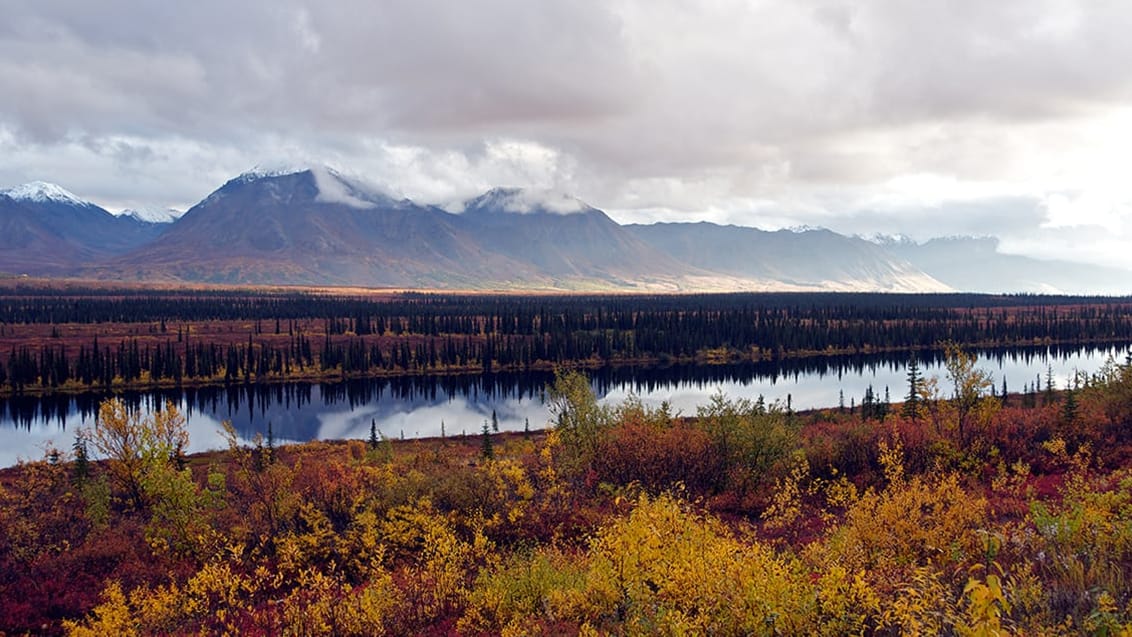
(503, 313)
(299, 335)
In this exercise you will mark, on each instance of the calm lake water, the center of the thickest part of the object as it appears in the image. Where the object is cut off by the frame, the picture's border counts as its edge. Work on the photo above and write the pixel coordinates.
(417, 407)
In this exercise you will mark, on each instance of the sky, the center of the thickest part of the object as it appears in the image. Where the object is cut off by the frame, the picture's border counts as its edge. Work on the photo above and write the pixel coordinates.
(930, 118)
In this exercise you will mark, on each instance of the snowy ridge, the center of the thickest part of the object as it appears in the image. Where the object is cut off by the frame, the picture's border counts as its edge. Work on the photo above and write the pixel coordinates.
(152, 215)
(43, 192)
(882, 239)
(279, 169)
(333, 186)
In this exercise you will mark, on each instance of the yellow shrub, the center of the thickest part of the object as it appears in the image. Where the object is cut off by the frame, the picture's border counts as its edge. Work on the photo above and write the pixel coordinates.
(111, 617)
(322, 604)
(911, 523)
(922, 605)
(436, 583)
(523, 589)
(667, 569)
(846, 604)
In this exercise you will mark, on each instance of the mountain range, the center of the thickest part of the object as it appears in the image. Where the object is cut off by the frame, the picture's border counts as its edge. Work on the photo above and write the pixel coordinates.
(313, 226)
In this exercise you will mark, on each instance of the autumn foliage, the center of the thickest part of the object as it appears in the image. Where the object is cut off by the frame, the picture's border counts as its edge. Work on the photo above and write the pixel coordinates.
(961, 516)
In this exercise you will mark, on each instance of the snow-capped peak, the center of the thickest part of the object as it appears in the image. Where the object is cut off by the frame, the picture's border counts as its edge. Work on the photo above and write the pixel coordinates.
(333, 186)
(152, 215)
(882, 239)
(42, 192)
(803, 228)
(280, 169)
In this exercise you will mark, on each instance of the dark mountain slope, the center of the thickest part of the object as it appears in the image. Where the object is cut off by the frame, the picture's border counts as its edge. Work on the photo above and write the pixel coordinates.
(810, 258)
(313, 227)
(46, 231)
(565, 238)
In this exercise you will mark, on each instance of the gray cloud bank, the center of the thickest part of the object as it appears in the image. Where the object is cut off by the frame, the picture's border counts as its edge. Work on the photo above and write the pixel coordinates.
(923, 118)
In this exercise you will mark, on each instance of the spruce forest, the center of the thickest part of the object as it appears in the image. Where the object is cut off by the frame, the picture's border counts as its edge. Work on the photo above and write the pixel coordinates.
(78, 338)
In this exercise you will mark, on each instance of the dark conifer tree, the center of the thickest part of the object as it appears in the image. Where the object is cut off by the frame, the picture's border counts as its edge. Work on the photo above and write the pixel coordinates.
(270, 443)
(487, 451)
(1069, 408)
(373, 439)
(915, 380)
(82, 459)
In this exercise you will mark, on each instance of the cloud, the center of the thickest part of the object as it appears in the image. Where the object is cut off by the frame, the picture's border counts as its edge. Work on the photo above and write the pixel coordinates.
(953, 113)
(333, 188)
(528, 200)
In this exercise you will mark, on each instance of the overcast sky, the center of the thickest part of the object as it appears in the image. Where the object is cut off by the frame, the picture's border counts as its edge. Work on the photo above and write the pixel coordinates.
(927, 118)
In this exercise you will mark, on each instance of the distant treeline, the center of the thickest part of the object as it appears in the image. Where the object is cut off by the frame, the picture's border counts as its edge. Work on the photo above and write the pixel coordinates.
(440, 333)
(77, 305)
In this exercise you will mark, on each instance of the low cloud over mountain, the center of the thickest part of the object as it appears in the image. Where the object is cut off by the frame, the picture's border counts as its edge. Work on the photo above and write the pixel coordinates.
(314, 226)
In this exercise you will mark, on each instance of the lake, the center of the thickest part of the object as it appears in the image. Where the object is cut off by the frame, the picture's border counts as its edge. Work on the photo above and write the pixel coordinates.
(421, 406)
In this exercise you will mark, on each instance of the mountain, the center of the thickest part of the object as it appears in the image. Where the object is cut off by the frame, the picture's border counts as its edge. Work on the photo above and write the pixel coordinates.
(974, 264)
(808, 259)
(314, 226)
(152, 214)
(29, 246)
(48, 230)
(565, 239)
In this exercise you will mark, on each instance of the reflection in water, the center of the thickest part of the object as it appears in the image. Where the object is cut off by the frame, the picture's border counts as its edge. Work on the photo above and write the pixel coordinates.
(417, 406)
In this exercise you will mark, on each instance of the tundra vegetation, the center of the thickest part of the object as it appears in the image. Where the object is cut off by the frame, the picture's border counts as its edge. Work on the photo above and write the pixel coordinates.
(967, 513)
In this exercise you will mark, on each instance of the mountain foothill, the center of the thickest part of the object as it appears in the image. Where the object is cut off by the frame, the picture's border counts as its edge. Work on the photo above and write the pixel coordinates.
(313, 226)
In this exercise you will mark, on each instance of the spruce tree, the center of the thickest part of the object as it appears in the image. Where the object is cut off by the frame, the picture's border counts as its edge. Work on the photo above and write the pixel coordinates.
(911, 407)
(488, 451)
(373, 439)
(494, 422)
(270, 443)
(1069, 408)
(867, 404)
(82, 459)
